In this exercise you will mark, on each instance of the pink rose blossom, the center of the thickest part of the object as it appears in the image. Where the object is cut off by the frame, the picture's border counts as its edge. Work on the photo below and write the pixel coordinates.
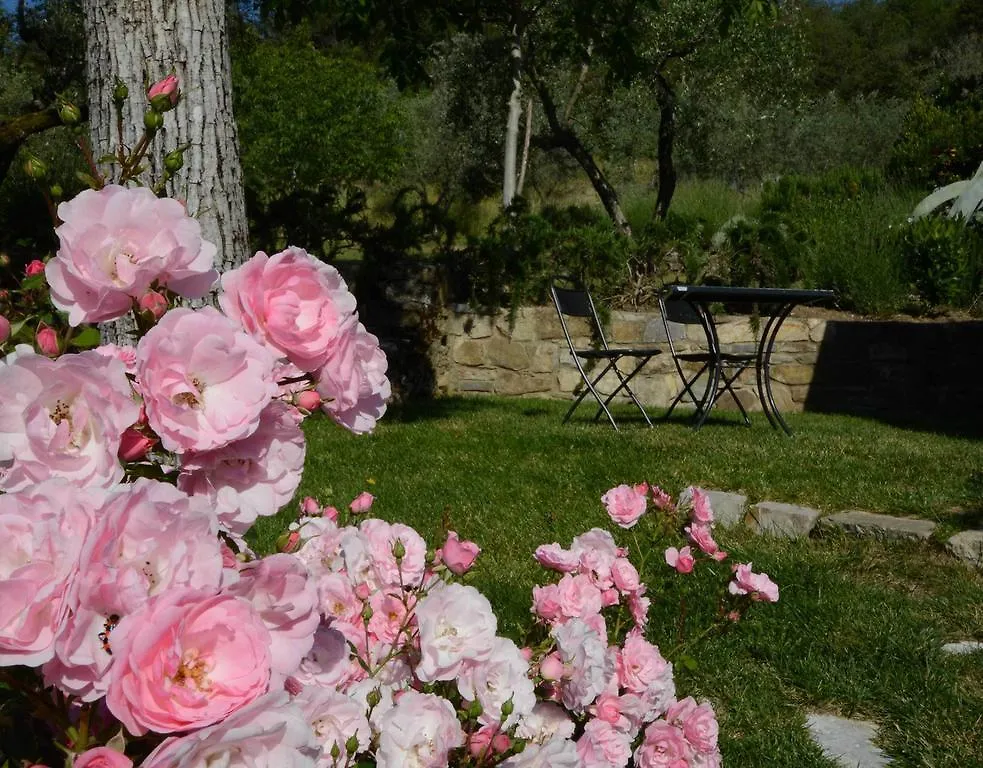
(757, 585)
(285, 597)
(353, 382)
(546, 722)
(43, 529)
(703, 538)
(577, 597)
(458, 555)
(310, 507)
(204, 383)
(47, 341)
(551, 667)
(638, 606)
(588, 665)
(546, 602)
(35, 267)
(62, 418)
(297, 306)
(603, 746)
(187, 660)
(680, 559)
(664, 746)
(127, 355)
(419, 731)
(488, 740)
(168, 87)
(660, 499)
(696, 500)
(335, 718)
(502, 677)
(326, 664)
(379, 539)
(362, 503)
(115, 243)
(625, 576)
(556, 753)
(625, 504)
(555, 558)
(252, 477)
(456, 626)
(272, 732)
(102, 757)
(643, 671)
(699, 724)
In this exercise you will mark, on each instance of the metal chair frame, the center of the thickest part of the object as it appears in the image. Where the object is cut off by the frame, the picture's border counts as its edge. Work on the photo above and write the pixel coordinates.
(722, 368)
(578, 303)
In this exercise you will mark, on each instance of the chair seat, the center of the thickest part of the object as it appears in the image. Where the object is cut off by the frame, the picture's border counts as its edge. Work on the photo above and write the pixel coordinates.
(725, 358)
(615, 352)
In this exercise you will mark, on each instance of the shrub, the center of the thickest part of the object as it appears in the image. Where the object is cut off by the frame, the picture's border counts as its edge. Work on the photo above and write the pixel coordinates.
(943, 260)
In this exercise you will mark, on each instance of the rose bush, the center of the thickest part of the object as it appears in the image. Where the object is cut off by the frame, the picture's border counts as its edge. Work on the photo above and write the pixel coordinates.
(144, 631)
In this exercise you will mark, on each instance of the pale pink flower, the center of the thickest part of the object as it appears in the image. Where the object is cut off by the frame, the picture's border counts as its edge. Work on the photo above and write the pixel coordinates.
(458, 555)
(388, 616)
(204, 382)
(456, 626)
(577, 597)
(660, 499)
(625, 504)
(638, 606)
(643, 671)
(126, 354)
(625, 576)
(62, 418)
(297, 306)
(603, 746)
(556, 558)
(187, 660)
(546, 722)
(546, 602)
(252, 477)
(588, 665)
(115, 243)
(502, 677)
(362, 503)
(419, 731)
(551, 667)
(337, 598)
(380, 540)
(663, 746)
(310, 507)
(272, 732)
(757, 585)
(285, 597)
(308, 400)
(353, 382)
(148, 538)
(697, 502)
(42, 529)
(335, 719)
(557, 753)
(326, 664)
(699, 723)
(102, 757)
(680, 559)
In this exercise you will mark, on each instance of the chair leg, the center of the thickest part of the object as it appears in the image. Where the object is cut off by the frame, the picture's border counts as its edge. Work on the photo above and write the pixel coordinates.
(593, 390)
(728, 385)
(624, 385)
(687, 390)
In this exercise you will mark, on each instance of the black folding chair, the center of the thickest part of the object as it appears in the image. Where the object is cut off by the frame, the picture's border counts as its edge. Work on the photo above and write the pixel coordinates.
(578, 303)
(722, 369)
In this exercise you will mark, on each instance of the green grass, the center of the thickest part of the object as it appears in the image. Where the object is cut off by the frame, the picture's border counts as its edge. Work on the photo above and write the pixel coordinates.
(859, 626)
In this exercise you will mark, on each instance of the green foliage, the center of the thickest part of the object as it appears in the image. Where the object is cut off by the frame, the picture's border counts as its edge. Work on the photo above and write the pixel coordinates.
(943, 260)
(764, 251)
(309, 118)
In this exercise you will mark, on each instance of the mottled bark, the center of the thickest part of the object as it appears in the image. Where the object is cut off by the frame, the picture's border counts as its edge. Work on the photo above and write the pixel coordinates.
(666, 98)
(512, 123)
(141, 41)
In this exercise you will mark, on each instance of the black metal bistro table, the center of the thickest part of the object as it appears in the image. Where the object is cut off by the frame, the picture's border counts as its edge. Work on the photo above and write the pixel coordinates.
(777, 303)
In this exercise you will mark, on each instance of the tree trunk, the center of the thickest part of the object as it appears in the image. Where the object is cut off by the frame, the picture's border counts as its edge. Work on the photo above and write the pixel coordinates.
(667, 136)
(512, 124)
(141, 41)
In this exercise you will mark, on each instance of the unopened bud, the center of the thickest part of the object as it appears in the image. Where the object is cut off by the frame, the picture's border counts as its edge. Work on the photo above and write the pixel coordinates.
(120, 92)
(174, 161)
(153, 121)
(35, 167)
(518, 745)
(399, 549)
(373, 697)
(475, 709)
(4, 260)
(335, 751)
(351, 746)
(56, 192)
(507, 708)
(367, 612)
(69, 113)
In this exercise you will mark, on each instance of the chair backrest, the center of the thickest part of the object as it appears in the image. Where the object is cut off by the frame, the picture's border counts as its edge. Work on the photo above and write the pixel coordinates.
(678, 310)
(576, 303)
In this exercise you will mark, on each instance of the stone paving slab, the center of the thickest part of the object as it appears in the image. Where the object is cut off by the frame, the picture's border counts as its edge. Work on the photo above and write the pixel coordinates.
(728, 508)
(963, 647)
(847, 742)
(788, 521)
(867, 524)
(967, 546)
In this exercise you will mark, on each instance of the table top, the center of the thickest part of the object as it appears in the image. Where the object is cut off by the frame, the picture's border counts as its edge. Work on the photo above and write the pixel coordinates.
(750, 295)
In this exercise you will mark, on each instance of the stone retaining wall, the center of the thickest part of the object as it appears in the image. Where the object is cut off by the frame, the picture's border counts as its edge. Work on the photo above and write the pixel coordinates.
(482, 354)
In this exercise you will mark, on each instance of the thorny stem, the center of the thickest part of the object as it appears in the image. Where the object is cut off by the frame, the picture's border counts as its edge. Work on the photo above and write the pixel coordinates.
(86, 149)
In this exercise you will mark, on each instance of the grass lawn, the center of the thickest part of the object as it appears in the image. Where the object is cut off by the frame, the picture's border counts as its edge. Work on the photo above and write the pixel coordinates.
(859, 626)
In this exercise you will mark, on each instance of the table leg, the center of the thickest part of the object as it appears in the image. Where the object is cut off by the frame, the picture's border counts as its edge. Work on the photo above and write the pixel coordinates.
(712, 391)
(765, 348)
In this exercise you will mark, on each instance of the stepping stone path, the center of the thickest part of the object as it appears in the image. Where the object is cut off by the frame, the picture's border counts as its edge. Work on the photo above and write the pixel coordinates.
(879, 526)
(963, 647)
(968, 546)
(786, 521)
(848, 743)
(728, 508)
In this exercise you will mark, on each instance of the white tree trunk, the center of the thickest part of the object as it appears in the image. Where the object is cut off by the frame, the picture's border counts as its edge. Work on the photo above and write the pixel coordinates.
(142, 41)
(512, 124)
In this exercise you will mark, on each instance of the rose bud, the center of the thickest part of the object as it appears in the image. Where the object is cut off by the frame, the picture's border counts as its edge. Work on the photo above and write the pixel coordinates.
(154, 303)
(362, 502)
(164, 94)
(36, 267)
(459, 555)
(309, 400)
(47, 341)
(134, 445)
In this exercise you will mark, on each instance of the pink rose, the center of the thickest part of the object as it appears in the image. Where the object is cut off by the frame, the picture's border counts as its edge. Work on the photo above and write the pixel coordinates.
(47, 341)
(488, 740)
(4, 329)
(252, 477)
(335, 718)
(556, 558)
(699, 723)
(115, 243)
(458, 555)
(698, 502)
(421, 729)
(154, 303)
(62, 418)
(362, 503)
(664, 746)
(643, 671)
(603, 746)
(353, 382)
(680, 559)
(551, 667)
(660, 499)
(456, 626)
(625, 576)
(757, 585)
(33, 268)
(625, 504)
(577, 596)
(309, 506)
(296, 305)
(703, 538)
(546, 722)
(502, 677)
(326, 664)
(102, 757)
(187, 660)
(272, 732)
(204, 383)
(555, 753)
(587, 664)
(43, 529)
(167, 87)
